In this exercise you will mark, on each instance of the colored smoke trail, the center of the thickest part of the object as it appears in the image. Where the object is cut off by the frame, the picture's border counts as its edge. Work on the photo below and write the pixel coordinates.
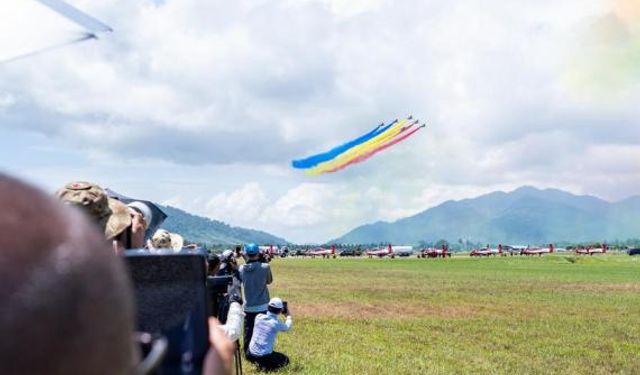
(371, 153)
(314, 160)
(359, 150)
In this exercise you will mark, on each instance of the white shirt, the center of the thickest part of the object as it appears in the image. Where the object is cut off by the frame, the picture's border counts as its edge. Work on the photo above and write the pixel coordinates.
(265, 330)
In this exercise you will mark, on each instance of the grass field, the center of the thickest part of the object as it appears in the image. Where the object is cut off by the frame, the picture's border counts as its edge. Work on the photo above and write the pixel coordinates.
(556, 314)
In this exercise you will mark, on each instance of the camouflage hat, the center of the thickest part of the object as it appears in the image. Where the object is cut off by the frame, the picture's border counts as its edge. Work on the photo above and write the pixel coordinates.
(111, 215)
(163, 239)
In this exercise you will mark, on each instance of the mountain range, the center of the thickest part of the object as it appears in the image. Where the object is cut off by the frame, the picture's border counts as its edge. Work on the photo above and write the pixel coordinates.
(526, 215)
(213, 232)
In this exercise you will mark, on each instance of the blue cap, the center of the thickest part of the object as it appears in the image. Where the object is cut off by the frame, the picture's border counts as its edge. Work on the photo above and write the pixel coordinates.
(251, 249)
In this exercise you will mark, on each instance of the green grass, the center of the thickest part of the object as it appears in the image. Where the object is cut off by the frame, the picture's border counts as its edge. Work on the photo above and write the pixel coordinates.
(556, 314)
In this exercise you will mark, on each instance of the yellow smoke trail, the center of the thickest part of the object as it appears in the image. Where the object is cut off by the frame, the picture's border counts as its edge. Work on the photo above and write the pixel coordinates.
(358, 150)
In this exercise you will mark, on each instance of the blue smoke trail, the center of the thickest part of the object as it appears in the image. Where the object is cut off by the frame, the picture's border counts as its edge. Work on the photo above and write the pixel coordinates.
(312, 161)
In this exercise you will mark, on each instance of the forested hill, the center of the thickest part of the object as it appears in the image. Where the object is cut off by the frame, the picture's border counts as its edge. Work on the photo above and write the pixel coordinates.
(206, 231)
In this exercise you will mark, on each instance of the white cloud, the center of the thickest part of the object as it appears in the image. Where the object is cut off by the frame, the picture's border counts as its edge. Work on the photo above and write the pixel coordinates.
(241, 207)
(6, 101)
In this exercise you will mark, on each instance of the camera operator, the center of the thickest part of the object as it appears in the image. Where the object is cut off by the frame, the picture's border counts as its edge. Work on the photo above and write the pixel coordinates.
(228, 268)
(255, 276)
(265, 330)
(213, 264)
(228, 264)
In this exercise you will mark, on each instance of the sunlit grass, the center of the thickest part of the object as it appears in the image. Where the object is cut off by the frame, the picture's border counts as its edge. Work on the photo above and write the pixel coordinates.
(510, 315)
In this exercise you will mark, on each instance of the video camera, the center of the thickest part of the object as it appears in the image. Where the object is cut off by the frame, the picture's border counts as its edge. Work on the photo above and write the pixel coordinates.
(221, 295)
(172, 300)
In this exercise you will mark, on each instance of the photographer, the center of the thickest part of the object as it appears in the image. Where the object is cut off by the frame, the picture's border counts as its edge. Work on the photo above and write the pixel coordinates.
(265, 331)
(255, 276)
(228, 269)
(228, 264)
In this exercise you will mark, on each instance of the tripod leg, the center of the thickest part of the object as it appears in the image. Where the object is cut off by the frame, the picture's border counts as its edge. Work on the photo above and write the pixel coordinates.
(238, 358)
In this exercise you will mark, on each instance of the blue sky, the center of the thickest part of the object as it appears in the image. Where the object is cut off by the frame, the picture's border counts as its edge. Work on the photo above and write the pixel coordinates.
(203, 105)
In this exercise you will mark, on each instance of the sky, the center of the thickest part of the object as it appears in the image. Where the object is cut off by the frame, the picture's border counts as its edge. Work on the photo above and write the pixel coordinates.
(203, 105)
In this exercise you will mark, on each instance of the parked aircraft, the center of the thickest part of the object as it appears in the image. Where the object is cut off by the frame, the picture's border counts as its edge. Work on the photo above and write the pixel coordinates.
(486, 251)
(325, 253)
(380, 253)
(432, 252)
(269, 252)
(537, 250)
(592, 250)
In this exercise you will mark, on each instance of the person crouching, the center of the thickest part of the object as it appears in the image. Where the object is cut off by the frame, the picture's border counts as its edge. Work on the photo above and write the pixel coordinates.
(265, 330)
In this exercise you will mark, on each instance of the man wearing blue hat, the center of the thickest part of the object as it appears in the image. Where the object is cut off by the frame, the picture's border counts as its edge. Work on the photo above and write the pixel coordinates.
(255, 276)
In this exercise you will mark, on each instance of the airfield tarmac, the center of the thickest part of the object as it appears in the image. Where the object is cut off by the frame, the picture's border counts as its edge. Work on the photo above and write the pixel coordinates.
(555, 314)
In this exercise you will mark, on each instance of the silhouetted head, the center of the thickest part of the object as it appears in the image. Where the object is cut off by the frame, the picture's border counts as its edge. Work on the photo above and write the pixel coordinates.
(65, 300)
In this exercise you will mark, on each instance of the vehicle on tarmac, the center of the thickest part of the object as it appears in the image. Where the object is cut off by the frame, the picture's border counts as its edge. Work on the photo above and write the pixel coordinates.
(403, 251)
(351, 252)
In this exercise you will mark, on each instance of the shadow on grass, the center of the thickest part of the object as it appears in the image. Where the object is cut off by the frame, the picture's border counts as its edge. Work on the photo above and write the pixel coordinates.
(291, 368)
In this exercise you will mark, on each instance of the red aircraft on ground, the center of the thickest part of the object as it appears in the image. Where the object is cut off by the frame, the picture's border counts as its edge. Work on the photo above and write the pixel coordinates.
(591, 251)
(325, 253)
(268, 251)
(537, 250)
(432, 252)
(380, 253)
(486, 251)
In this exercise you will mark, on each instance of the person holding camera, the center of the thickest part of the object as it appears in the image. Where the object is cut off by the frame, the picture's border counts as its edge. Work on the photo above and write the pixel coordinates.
(255, 275)
(265, 330)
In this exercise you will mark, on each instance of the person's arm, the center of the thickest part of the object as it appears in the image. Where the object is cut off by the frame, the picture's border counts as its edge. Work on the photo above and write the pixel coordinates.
(269, 275)
(220, 355)
(286, 325)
